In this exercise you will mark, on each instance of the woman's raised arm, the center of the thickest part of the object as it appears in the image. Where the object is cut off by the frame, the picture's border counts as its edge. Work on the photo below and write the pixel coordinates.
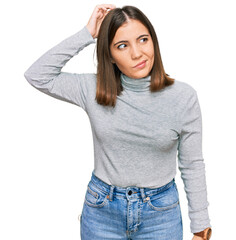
(45, 73)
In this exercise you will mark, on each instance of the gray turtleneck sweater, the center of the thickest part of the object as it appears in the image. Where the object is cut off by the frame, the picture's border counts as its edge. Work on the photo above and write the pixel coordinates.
(136, 143)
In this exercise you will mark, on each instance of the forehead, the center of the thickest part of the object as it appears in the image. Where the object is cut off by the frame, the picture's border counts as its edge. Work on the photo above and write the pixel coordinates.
(129, 30)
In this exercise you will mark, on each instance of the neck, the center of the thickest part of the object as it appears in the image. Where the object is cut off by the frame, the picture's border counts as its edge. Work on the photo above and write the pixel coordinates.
(135, 84)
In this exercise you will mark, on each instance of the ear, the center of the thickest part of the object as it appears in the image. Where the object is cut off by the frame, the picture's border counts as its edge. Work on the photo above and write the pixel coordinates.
(112, 60)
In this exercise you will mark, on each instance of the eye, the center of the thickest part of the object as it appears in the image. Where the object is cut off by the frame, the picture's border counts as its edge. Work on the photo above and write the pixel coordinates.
(145, 39)
(120, 45)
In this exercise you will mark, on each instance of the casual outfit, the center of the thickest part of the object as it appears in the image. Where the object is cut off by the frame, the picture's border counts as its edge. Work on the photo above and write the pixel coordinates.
(135, 145)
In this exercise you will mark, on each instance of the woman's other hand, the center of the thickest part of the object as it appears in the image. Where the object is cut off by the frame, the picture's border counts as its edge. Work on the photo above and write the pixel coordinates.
(197, 238)
(95, 21)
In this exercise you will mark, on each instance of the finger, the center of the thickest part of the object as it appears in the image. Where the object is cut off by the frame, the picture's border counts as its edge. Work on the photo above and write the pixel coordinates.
(101, 10)
(104, 9)
(107, 5)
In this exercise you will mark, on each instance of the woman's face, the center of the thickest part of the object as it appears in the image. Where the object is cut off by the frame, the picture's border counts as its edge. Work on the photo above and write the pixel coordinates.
(131, 45)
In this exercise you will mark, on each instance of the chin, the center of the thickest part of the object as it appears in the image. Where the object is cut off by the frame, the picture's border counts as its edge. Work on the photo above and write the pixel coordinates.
(142, 74)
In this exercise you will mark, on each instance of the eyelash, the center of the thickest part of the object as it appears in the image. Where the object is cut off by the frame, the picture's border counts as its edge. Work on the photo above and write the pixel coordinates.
(125, 44)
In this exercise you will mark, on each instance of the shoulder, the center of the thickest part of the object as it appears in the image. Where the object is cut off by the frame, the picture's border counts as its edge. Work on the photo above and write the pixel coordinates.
(183, 88)
(182, 91)
(183, 94)
(89, 84)
(87, 79)
(89, 76)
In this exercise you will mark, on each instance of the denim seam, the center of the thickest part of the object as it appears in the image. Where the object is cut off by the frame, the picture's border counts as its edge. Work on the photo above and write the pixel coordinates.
(92, 192)
(98, 188)
(98, 205)
(163, 208)
(165, 188)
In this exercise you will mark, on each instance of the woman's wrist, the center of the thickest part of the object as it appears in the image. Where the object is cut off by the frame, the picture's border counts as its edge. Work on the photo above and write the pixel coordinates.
(92, 34)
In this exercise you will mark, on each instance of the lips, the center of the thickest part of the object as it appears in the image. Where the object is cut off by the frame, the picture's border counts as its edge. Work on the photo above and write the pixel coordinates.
(140, 63)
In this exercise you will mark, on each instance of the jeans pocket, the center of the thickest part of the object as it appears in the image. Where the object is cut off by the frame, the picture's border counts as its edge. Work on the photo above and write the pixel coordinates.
(164, 200)
(94, 197)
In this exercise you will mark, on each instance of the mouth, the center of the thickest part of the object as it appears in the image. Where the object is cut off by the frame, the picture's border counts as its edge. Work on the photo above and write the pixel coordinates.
(140, 64)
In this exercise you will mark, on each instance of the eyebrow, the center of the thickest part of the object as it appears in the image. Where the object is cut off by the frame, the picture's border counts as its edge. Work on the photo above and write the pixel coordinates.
(136, 38)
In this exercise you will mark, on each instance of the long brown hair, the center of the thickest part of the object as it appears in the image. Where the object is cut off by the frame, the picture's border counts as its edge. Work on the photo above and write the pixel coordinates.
(108, 74)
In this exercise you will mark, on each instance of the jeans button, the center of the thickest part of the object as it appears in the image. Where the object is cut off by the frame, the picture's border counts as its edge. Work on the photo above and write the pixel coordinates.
(130, 192)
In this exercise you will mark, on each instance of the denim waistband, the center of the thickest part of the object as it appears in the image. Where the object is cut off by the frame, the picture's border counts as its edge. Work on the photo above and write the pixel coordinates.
(130, 192)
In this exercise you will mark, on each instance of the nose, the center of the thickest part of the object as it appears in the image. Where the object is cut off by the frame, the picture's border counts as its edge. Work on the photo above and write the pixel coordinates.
(135, 52)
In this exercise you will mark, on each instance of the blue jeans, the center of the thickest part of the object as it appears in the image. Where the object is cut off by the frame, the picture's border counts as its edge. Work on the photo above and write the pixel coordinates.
(112, 212)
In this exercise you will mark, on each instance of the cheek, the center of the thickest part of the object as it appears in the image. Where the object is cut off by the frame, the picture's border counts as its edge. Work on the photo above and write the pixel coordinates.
(119, 59)
(120, 63)
(150, 52)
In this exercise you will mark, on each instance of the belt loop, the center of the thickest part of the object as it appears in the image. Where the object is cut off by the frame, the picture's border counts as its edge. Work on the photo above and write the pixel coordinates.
(111, 192)
(144, 195)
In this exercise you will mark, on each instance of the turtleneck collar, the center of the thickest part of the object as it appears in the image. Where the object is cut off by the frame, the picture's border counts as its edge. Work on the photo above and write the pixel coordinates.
(135, 84)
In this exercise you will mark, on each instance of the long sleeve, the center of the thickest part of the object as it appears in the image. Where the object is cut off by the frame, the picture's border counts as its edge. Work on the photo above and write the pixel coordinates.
(191, 164)
(45, 73)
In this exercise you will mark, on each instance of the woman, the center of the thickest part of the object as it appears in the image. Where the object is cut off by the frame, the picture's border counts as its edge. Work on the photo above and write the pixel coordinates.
(140, 117)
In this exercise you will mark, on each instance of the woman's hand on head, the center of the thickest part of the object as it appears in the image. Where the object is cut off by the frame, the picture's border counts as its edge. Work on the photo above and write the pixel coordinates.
(95, 21)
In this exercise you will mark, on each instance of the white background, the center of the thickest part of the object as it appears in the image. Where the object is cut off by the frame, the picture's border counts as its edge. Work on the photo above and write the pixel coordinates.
(46, 149)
